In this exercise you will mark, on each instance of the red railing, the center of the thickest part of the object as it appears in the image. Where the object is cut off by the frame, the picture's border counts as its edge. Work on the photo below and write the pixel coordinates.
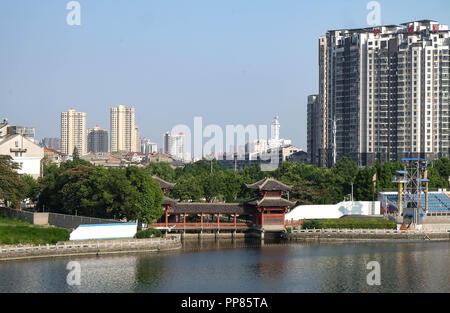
(213, 225)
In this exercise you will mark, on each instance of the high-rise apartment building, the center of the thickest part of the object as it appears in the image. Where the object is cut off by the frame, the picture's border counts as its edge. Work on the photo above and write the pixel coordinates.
(147, 146)
(314, 130)
(97, 139)
(73, 132)
(175, 145)
(123, 130)
(383, 93)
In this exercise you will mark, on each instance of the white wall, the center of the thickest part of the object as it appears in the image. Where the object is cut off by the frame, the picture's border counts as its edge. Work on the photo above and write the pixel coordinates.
(30, 166)
(104, 231)
(333, 211)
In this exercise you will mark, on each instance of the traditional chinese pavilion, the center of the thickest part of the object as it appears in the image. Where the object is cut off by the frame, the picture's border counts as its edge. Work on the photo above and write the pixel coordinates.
(269, 207)
(265, 212)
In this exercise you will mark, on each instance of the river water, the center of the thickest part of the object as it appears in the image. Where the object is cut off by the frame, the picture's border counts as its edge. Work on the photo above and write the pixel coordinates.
(244, 266)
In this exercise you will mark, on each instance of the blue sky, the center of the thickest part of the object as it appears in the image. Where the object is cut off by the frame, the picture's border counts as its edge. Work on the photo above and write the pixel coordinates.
(228, 61)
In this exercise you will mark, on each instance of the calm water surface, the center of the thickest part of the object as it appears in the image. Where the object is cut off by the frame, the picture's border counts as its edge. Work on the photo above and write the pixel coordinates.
(239, 266)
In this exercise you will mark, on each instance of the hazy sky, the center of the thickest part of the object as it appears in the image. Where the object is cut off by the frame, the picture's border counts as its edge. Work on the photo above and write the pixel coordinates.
(228, 61)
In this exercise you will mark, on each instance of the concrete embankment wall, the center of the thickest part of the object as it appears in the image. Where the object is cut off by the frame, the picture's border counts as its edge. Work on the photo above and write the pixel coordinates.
(366, 235)
(90, 247)
(56, 219)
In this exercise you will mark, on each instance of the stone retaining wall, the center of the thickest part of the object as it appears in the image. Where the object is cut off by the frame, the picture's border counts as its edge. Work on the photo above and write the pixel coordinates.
(366, 235)
(87, 247)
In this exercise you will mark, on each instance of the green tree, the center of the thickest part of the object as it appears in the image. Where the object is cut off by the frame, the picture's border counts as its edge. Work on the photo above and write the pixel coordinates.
(346, 171)
(72, 184)
(162, 169)
(364, 185)
(31, 187)
(439, 173)
(128, 193)
(231, 185)
(306, 192)
(11, 185)
(75, 154)
(145, 198)
(213, 186)
(188, 187)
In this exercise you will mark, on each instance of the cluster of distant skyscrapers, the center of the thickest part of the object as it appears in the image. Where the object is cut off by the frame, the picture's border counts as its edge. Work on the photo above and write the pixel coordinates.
(124, 135)
(383, 95)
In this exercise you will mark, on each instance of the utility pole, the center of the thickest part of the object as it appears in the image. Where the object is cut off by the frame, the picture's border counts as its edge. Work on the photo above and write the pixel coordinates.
(352, 195)
(352, 190)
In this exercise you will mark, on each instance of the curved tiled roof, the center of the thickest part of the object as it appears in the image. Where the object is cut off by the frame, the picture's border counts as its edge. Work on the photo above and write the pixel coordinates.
(169, 201)
(269, 184)
(271, 202)
(163, 184)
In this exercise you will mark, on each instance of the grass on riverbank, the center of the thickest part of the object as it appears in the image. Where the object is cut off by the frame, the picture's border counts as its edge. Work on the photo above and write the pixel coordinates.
(15, 231)
(349, 223)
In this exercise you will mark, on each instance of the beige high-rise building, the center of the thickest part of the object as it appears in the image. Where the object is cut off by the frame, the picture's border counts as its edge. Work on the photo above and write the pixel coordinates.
(73, 132)
(123, 130)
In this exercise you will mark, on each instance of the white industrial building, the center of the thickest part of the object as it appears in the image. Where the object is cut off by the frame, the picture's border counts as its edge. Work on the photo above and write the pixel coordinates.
(307, 212)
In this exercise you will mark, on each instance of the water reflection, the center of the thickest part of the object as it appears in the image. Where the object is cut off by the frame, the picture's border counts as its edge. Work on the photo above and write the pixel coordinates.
(228, 265)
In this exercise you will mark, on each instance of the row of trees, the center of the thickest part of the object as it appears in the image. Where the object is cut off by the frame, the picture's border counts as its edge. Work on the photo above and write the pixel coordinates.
(77, 187)
(311, 184)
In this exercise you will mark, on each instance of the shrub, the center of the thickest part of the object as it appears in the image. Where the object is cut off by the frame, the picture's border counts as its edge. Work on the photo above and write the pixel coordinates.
(148, 233)
(350, 223)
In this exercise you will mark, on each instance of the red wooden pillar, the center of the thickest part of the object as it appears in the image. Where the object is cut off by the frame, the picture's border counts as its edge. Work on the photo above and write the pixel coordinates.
(262, 218)
(234, 219)
(184, 219)
(218, 220)
(167, 218)
(201, 220)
